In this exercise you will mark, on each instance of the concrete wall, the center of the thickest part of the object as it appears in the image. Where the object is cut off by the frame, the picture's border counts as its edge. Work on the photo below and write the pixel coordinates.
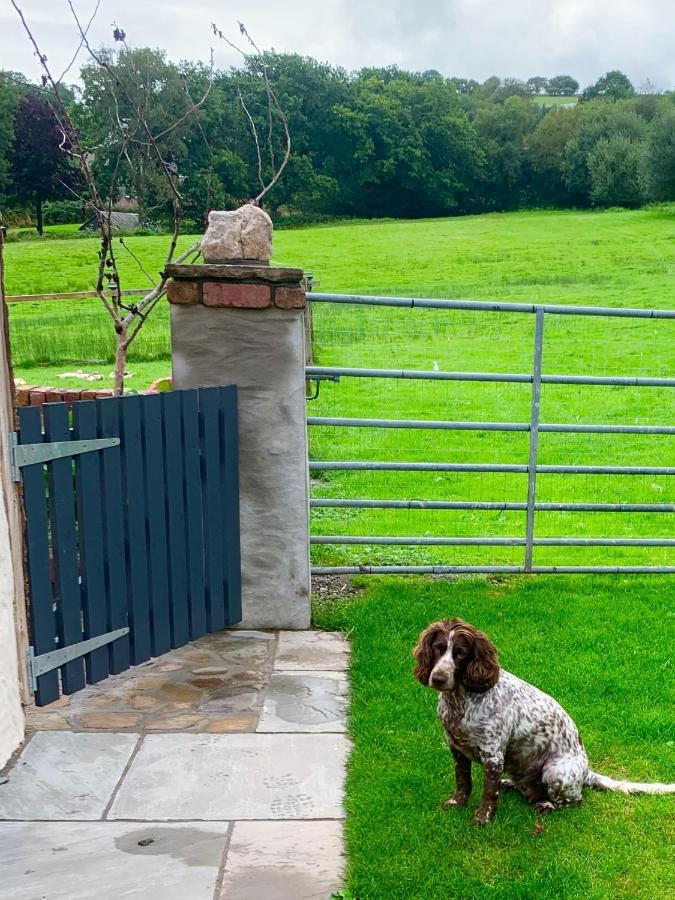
(11, 581)
(262, 352)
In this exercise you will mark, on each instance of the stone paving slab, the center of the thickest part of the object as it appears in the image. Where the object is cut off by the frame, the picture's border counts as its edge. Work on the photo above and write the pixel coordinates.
(215, 684)
(235, 776)
(62, 775)
(305, 701)
(110, 860)
(302, 651)
(283, 861)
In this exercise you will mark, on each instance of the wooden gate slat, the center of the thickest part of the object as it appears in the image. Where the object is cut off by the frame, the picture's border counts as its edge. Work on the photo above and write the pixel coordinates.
(176, 524)
(193, 512)
(43, 621)
(112, 497)
(136, 541)
(151, 410)
(90, 533)
(64, 539)
(230, 480)
(209, 413)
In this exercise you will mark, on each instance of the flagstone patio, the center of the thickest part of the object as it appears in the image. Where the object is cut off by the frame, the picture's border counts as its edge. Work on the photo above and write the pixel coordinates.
(214, 771)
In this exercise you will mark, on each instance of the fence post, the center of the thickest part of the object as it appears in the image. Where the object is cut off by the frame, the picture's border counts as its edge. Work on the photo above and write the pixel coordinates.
(534, 436)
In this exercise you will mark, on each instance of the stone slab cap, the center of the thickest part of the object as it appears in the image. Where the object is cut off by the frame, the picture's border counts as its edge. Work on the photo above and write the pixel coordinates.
(238, 234)
(240, 273)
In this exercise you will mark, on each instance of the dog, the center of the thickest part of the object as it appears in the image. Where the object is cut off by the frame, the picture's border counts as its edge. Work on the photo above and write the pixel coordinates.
(493, 718)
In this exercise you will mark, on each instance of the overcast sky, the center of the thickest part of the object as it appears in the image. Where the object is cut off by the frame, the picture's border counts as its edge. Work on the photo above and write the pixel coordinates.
(467, 38)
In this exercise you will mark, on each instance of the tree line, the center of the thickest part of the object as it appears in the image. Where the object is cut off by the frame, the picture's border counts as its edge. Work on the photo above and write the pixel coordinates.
(377, 142)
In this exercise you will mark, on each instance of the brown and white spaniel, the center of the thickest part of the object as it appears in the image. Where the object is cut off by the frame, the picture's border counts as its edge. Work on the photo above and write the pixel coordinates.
(493, 718)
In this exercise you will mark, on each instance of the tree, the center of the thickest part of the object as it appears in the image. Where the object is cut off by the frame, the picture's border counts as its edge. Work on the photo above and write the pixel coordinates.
(596, 121)
(537, 84)
(615, 167)
(40, 170)
(660, 158)
(9, 100)
(546, 151)
(612, 85)
(502, 132)
(563, 86)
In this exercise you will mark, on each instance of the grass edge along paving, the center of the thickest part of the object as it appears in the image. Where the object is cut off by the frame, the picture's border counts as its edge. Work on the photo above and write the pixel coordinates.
(602, 646)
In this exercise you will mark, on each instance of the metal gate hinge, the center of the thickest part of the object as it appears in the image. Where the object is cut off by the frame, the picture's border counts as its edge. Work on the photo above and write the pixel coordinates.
(46, 662)
(29, 454)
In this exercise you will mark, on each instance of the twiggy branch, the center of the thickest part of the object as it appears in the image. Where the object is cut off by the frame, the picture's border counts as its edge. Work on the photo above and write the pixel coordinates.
(273, 108)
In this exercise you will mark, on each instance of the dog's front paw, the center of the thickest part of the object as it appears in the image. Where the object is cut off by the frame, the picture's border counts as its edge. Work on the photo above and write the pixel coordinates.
(456, 800)
(483, 816)
(544, 806)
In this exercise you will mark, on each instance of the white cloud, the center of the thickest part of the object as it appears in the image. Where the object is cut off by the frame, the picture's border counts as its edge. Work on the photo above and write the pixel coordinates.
(469, 38)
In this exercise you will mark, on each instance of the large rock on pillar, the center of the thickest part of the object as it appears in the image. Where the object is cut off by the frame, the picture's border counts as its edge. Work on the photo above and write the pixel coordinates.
(243, 325)
(238, 235)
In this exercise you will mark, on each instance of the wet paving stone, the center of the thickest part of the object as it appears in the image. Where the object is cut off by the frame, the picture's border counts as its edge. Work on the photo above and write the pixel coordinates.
(219, 677)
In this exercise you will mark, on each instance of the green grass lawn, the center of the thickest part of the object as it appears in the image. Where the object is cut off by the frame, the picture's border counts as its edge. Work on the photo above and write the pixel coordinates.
(603, 647)
(613, 258)
(549, 100)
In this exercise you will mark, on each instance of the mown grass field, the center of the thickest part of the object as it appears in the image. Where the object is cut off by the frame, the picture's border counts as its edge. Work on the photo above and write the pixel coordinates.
(613, 258)
(603, 647)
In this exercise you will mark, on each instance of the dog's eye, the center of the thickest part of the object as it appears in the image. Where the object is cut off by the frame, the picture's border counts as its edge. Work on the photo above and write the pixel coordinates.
(440, 648)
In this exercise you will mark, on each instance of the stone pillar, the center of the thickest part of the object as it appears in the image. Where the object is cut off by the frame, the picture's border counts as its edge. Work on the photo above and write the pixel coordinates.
(243, 325)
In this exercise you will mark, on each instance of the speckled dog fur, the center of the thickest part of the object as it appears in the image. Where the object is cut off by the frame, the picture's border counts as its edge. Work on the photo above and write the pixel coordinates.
(493, 718)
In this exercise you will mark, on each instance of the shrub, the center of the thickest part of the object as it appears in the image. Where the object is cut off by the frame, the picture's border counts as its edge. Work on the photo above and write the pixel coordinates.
(615, 168)
(62, 212)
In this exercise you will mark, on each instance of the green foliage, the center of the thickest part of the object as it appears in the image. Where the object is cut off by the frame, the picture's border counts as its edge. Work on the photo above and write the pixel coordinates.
(563, 86)
(613, 85)
(378, 142)
(9, 101)
(660, 158)
(615, 168)
(609, 669)
(63, 212)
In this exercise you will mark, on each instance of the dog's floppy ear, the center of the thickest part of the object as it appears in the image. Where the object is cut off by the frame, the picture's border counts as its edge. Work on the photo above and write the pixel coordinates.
(482, 670)
(424, 652)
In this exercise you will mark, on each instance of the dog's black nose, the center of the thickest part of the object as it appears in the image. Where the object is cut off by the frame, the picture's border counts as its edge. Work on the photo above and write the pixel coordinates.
(437, 680)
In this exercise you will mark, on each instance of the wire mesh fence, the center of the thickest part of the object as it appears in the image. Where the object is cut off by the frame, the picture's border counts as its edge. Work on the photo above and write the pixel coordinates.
(424, 435)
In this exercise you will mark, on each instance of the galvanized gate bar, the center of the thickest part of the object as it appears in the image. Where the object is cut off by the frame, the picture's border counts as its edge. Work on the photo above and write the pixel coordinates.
(335, 373)
(492, 306)
(490, 505)
(487, 570)
(534, 436)
(491, 541)
(440, 425)
(375, 466)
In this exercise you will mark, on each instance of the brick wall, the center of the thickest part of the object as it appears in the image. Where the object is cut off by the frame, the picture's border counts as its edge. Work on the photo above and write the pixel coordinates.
(34, 395)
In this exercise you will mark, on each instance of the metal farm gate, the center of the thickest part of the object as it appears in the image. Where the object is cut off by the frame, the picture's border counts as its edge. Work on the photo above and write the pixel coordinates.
(342, 324)
(132, 530)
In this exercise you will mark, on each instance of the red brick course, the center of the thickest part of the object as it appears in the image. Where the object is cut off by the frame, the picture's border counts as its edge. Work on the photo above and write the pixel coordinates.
(289, 297)
(238, 296)
(30, 395)
(184, 293)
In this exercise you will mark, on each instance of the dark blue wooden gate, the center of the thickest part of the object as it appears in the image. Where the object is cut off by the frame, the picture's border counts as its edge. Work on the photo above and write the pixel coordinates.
(132, 530)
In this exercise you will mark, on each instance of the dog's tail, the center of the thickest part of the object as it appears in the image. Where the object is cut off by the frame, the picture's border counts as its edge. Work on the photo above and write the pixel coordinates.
(603, 783)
